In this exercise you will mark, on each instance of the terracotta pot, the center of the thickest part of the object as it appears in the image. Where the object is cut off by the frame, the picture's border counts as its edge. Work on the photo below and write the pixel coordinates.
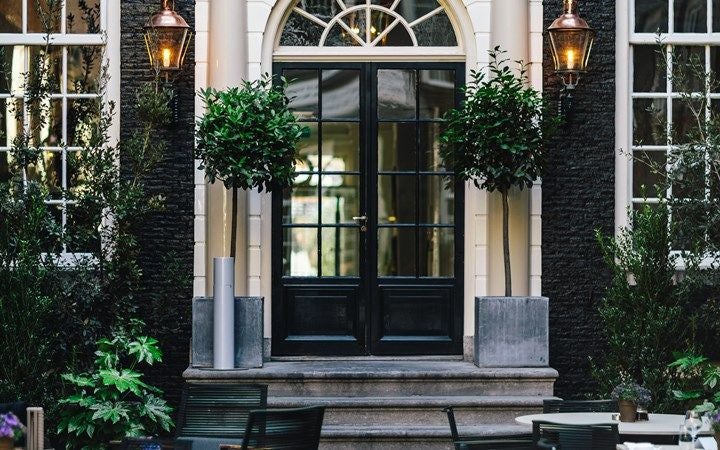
(6, 443)
(717, 438)
(628, 411)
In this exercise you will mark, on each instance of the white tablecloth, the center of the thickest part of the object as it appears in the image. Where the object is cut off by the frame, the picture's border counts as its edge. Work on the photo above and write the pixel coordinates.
(658, 425)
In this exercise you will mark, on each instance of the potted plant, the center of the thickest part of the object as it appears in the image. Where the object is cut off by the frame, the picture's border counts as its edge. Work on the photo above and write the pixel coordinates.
(11, 430)
(247, 140)
(496, 139)
(629, 396)
(112, 401)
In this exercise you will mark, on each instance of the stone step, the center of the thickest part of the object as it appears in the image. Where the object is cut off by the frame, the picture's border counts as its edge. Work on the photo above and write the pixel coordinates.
(405, 437)
(386, 379)
(416, 410)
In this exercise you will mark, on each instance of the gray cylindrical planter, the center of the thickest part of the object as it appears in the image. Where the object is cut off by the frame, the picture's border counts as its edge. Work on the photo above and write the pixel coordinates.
(248, 334)
(511, 332)
(224, 313)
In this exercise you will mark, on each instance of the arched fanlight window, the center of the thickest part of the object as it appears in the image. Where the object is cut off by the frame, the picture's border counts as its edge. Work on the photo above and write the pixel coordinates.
(368, 23)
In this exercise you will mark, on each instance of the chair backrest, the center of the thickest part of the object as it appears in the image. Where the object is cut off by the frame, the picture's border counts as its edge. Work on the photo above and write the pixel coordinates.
(218, 409)
(603, 436)
(141, 444)
(276, 429)
(563, 406)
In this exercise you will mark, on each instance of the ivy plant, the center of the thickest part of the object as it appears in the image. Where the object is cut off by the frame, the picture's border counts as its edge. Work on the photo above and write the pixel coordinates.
(496, 138)
(247, 139)
(112, 401)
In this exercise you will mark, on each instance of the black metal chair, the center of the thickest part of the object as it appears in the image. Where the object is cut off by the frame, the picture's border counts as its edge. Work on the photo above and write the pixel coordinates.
(216, 413)
(548, 435)
(141, 444)
(286, 429)
(563, 406)
(504, 442)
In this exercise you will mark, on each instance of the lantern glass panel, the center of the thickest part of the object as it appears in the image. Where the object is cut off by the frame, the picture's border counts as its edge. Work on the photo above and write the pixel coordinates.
(166, 47)
(571, 49)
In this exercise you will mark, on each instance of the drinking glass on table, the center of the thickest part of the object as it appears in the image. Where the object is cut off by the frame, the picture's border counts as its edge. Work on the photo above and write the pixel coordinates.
(693, 423)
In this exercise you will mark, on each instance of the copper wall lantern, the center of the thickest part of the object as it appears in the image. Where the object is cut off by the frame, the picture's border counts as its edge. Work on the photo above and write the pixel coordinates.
(571, 40)
(167, 38)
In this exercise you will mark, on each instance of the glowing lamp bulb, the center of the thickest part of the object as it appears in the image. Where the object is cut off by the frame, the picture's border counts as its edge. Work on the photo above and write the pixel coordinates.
(166, 53)
(570, 59)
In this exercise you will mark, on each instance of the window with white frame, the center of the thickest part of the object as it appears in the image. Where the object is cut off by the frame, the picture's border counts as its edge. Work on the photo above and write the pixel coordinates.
(689, 30)
(76, 40)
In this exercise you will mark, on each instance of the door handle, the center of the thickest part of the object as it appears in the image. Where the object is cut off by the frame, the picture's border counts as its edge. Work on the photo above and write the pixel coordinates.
(362, 221)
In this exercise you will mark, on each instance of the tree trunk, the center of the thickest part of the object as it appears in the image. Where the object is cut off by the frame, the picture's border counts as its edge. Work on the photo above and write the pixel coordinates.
(506, 244)
(233, 231)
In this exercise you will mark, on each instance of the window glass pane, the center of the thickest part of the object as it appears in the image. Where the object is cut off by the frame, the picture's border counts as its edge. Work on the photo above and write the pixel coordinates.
(397, 199)
(300, 204)
(48, 172)
(340, 198)
(437, 252)
(688, 61)
(340, 146)
(436, 31)
(341, 94)
(396, 147)
(12, 67)
(649, 121)
(303, 92)
(81, 231)
(396, 94)
(715, 65)
(300, 31)
(684, 120)
(75, 174)
(340, 253)
(437, 93)
(83, 68)
(648, 172)
(11, 123)
(649, 74)
(44, 16)
(396, 252)
(4, 166)
(308, 149)
(339, 36)
(300, 252)
(46, 124)
(651, 16)
(52, 77)
(437, 200)
(430, 160)
(82, 16)
(82, 116)
(396, 37)
(413, 9)
(11, 16)
(690, 16)
(716, 16)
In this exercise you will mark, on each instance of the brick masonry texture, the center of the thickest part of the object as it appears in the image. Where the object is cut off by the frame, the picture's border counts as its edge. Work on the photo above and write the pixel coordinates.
(578, 197)
(167, 237)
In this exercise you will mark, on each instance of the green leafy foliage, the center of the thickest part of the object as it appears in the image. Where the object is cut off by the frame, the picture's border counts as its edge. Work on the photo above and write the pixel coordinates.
(697, 379)
(645, 312)
(113, 401)
(246, 138)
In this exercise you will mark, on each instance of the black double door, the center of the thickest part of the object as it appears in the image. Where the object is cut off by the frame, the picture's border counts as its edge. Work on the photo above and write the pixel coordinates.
(367, 244)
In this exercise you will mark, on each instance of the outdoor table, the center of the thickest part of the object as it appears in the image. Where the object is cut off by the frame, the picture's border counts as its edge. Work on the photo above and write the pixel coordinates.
(658, 425)
(657, 447)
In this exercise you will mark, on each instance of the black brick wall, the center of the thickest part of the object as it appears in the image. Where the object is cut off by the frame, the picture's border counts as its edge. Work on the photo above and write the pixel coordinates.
(578, 197)
(167, 237)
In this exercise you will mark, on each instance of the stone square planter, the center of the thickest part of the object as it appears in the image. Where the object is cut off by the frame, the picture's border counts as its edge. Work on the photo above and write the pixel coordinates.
(511, 332)
(248, 332)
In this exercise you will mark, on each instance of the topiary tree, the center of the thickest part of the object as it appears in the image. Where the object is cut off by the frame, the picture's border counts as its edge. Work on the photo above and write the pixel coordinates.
(247, 139)
(496, 138)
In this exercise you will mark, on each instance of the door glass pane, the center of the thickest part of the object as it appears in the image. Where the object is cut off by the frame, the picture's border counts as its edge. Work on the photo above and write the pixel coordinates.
(341, 94)
(651, 16)
(340, 198)
(300, 204)
(648, 72)
(340, 252)
(302, 91)
(437, 200)
(396, 94)
(430, 160)
(690, 16)
(340, 146)
(437, 252)
(396, 147)
(300, 252)
(396, 199)
(396, 252)
(437, 93)
(308, 154)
